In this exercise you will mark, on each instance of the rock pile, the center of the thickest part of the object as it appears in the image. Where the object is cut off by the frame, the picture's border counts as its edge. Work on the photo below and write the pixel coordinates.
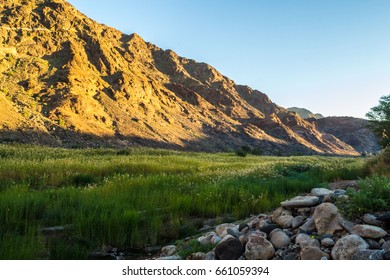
(306, 227)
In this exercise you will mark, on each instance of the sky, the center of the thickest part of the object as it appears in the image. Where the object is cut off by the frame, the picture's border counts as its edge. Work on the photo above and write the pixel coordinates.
(328, 56)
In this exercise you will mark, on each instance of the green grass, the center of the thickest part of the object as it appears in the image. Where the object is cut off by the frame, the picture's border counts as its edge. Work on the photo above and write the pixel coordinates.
(134, 198)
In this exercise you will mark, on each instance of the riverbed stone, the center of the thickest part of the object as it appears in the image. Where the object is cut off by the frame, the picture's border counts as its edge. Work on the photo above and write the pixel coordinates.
(347, 246)
(367, 254)
(282, 217)
(229, 248)
(169, 250)
(368, 231)
(259, 248)
(384, 218)
(373, 244)
(321, 192)
(326, 218)
(338, 192)
(279, 239)
(268, 228)
(197, 256)
(216, 239)
(304, 240)
(312, 253)
(297, 221)
(327, 242)
(371, 220)
(300, 201)
(308, 226)
(207, 239)
(221, 230)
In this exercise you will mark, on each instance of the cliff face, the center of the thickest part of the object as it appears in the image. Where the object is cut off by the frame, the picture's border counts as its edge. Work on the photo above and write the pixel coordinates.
(67, 80)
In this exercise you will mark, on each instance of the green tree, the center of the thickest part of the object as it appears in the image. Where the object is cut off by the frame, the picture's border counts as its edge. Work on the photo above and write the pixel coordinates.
(380, 120)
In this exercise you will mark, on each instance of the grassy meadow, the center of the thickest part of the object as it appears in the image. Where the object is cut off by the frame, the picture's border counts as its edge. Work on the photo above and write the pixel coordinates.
(140, 197)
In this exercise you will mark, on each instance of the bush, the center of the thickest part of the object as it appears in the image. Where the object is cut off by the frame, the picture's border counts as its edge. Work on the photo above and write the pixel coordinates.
(374, 195)
(241, 153)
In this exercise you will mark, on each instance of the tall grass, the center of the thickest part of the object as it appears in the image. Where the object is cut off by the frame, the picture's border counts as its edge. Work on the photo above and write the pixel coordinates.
(139, 197)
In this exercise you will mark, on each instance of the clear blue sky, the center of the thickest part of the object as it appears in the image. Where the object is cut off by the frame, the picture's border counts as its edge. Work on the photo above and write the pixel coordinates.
(329, 56)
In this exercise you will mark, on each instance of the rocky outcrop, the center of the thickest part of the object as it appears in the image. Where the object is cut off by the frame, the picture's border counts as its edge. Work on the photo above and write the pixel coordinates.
(66, 80)
(316, 233)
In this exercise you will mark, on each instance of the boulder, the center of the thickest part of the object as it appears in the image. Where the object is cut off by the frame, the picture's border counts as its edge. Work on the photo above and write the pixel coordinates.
(197, 256)
(268, 228)
(304, 240)
(228, 249)
(279, 239)
(373, 244)
(305, 212)
(215, 239)
(243, 228)
(326, 218)
(347, 246)
(290, 253)
(366, 254)
(298, 221)
(339, 192)
(367, 231)
(169, 250)
(384, 218)
(312, 253)
(386, 246)
(253, 233)
(348, 225)
(259, 248)
(234, 232)
(221, 230)
(206, 239)
(308, 226)
(371, 220)
(321, 192)
(301, 201)
(327, 242)
(210, 256)
(282, 217)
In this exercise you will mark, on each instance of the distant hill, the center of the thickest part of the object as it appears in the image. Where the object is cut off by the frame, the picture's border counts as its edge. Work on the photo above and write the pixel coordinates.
(304, 113)
(353, 131)
(66, 80)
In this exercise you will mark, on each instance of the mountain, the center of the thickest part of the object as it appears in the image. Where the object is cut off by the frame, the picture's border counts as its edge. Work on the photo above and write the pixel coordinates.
(353, 131)
(304, 113)
(66, 80)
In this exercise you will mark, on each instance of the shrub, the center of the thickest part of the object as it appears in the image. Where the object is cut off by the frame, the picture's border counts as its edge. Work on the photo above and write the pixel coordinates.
(373, 195)
(241, 153)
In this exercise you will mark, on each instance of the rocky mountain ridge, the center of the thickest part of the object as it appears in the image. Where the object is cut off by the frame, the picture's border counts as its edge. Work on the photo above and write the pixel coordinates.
(66, 80)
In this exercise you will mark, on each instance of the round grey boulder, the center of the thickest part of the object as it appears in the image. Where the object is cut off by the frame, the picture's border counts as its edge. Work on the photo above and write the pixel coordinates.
(347, 246)
(279, 239)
